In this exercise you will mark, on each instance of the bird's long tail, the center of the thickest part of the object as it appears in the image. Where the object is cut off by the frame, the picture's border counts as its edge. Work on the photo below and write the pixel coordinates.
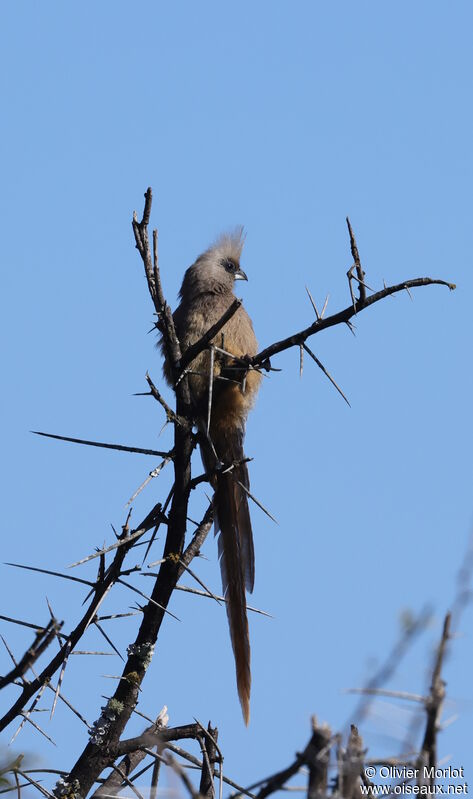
(235, 546)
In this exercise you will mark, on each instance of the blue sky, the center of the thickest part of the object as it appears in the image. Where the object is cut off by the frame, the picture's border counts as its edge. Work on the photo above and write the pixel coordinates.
(285, 118)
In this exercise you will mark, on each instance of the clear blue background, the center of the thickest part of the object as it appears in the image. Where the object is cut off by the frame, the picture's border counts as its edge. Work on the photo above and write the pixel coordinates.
(285, 117)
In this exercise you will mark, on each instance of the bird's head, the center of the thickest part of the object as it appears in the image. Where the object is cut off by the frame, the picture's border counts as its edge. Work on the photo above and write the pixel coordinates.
(216, 270)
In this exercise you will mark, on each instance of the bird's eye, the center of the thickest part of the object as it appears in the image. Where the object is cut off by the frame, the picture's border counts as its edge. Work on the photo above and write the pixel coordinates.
(229, 265)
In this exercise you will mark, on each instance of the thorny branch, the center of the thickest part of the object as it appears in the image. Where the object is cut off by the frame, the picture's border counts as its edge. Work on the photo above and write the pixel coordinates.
(105, 745)
(296, 339)
(96, 756)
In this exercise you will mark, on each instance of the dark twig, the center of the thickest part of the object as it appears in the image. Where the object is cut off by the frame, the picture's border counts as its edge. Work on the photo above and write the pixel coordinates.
(210, 756)
(153, 277)
(120, 447)
(52, 573)
(196, 762)
(170, 414)
(356, 257)
(23, 623)
(140, 229)
(43, 638)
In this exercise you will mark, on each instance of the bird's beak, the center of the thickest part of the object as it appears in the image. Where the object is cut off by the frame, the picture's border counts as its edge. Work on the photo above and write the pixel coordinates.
(240, 275)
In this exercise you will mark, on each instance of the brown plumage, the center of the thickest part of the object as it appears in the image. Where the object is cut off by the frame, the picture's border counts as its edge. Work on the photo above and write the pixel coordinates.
(206, 293)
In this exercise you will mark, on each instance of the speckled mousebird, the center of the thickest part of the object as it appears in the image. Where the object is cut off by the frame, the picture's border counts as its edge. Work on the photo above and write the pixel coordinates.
(207, 291)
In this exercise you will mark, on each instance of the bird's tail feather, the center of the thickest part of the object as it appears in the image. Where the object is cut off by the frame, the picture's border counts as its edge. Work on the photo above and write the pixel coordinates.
(235, 547)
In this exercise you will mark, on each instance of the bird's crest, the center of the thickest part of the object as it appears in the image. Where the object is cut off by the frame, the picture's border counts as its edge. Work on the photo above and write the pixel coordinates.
(228, 245)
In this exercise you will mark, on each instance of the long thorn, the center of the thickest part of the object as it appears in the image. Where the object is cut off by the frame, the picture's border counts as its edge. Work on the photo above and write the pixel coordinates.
(324, 370)
(148, 598)
(61, 677)
(38, 627)
(102, 631)
(154, 473)
(313, 303)
(26, 714)
(190, 590)
(54, 574)
(256, 501)
(211, 385)
(192, 574)
(156, 528)
(104, 551)
(325, 306)
(119, 447)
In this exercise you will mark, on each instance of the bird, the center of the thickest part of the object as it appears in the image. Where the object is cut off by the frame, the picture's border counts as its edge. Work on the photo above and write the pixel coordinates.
(207, 291)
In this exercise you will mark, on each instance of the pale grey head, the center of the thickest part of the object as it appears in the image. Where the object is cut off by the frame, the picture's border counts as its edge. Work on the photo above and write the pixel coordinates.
(215, 271)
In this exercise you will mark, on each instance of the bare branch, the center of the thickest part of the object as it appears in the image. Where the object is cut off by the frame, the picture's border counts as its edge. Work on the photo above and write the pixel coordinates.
(170, 414)
(211, 754)
(433, 705)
